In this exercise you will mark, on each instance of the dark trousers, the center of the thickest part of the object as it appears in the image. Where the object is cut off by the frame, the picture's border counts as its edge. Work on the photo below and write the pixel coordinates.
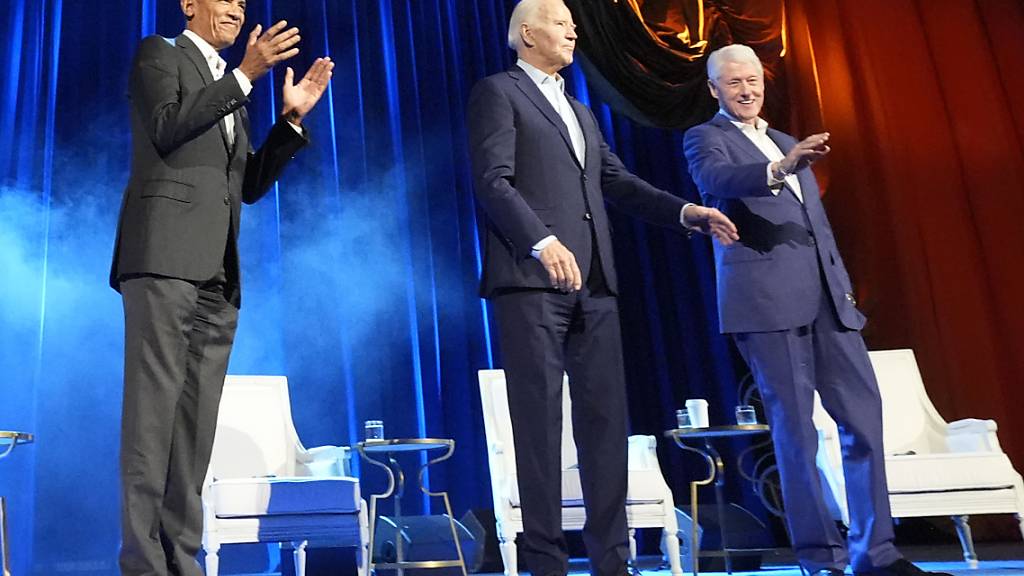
(788, 367)
(544, 333)
(178, 337)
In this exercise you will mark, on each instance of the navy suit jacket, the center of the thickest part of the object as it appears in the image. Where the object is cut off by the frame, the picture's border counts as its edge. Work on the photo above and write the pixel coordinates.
(531, 184)
(773, 278)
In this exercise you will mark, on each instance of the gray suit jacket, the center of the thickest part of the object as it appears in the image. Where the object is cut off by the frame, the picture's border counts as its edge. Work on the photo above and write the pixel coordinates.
(180, 211)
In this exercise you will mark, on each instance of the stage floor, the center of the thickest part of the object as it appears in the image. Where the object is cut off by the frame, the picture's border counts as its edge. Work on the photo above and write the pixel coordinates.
(997, 560)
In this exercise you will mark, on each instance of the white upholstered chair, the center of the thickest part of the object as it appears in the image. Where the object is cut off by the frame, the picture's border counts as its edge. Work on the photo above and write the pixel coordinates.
(933, 468)
(264, 486)
(649, 502)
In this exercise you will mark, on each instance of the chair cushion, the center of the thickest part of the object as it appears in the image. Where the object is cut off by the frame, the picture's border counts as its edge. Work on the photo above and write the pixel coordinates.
(242, 497)
(948, 471)
(645, 487)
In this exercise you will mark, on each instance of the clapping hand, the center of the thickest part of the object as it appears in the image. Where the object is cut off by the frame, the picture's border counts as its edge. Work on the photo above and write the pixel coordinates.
(300, 98)
(263, 52)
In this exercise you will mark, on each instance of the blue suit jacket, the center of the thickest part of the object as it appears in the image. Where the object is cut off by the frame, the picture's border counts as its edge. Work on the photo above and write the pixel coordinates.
(773, 278)
(531, 184)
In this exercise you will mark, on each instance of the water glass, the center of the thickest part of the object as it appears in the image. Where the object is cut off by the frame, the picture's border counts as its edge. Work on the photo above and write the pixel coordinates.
(374, 430)
(745, 415)
(682, 419)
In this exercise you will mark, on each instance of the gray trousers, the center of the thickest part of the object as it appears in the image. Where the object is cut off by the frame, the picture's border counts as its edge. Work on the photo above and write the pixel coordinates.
(178, 337)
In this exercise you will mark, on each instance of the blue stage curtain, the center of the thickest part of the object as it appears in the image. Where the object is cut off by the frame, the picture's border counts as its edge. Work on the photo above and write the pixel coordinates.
(360, 269)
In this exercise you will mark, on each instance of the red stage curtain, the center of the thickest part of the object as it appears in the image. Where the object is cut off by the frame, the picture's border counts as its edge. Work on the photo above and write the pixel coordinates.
(926, 183)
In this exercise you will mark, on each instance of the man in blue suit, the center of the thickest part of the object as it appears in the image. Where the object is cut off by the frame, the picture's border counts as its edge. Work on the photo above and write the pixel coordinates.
(785, 296)
(543, 173)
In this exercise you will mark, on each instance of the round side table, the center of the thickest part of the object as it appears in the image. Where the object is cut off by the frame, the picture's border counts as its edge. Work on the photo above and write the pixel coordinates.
(386, 450)
(716, 468)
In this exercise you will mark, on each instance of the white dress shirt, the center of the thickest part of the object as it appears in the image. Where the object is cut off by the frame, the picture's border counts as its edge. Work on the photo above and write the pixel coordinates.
(758, 134)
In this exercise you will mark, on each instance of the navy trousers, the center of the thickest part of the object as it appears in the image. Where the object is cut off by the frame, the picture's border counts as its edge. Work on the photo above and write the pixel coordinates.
(542, 334)
(788, 366)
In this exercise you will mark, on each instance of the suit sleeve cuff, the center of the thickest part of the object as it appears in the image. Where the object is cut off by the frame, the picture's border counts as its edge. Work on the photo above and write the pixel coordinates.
(774, 184)
(243, 81)
(540, 246)
(682, 218)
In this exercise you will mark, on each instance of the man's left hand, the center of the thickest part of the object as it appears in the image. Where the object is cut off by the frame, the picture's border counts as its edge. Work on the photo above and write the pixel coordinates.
(711, 222)
(300, 98)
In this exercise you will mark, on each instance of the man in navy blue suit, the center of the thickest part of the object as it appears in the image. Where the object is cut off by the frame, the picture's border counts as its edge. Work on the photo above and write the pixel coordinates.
(785, 296)
(543, 173)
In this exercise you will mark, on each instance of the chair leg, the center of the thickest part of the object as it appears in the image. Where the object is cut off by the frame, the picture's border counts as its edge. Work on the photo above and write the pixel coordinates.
(632, 546)
(300, 557)
(212, 559)
(5, 562)
(670, 544)
(508, 554)
(963, 531)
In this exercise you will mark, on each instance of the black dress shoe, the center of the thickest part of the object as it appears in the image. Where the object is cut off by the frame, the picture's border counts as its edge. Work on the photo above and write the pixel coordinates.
(828, 572)
(901, 567)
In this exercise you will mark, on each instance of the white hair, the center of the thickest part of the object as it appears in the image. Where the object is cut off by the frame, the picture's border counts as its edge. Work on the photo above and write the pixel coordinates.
(524, 13)
(739, 53)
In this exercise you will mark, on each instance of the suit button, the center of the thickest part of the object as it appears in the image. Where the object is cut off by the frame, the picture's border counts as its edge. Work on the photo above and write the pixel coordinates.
(227, 200)
(851, 299)
(588, 217)
(584, 177)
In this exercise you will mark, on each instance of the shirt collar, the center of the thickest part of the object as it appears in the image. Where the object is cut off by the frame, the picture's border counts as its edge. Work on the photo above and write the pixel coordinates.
(760, 125)
(208, 52)
(541, 78)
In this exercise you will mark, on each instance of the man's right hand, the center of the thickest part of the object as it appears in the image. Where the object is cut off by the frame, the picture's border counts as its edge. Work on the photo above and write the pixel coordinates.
(561, 266)
(805, 153)
(263, 52)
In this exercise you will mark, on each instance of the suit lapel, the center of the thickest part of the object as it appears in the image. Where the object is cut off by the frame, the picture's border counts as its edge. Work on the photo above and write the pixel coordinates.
(738, 138)
(193, 54)
(582, 116)
(526, 85)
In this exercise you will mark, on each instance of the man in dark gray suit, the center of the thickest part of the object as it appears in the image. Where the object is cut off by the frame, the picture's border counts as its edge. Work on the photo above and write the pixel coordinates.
(176, 260)
(543, 172)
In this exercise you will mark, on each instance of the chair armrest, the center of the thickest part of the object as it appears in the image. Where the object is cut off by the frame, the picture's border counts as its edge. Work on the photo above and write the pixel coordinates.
(323, 461)
(972, 435)
(642, 452)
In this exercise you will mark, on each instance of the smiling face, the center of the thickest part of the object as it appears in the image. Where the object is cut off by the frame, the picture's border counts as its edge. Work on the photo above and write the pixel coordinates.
(739, 88)
(549, 38)
(216, 21)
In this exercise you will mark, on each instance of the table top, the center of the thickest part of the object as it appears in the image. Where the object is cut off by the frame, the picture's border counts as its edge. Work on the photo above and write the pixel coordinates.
(8, 437)
(718, 431)
(403, 445)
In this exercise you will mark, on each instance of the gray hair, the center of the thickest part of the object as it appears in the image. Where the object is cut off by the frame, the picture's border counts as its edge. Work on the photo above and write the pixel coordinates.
(523, 13)
(739, 53)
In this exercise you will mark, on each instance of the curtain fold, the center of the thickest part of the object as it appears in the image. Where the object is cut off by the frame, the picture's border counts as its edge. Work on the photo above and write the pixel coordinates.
(927, 185)
(647, 57)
